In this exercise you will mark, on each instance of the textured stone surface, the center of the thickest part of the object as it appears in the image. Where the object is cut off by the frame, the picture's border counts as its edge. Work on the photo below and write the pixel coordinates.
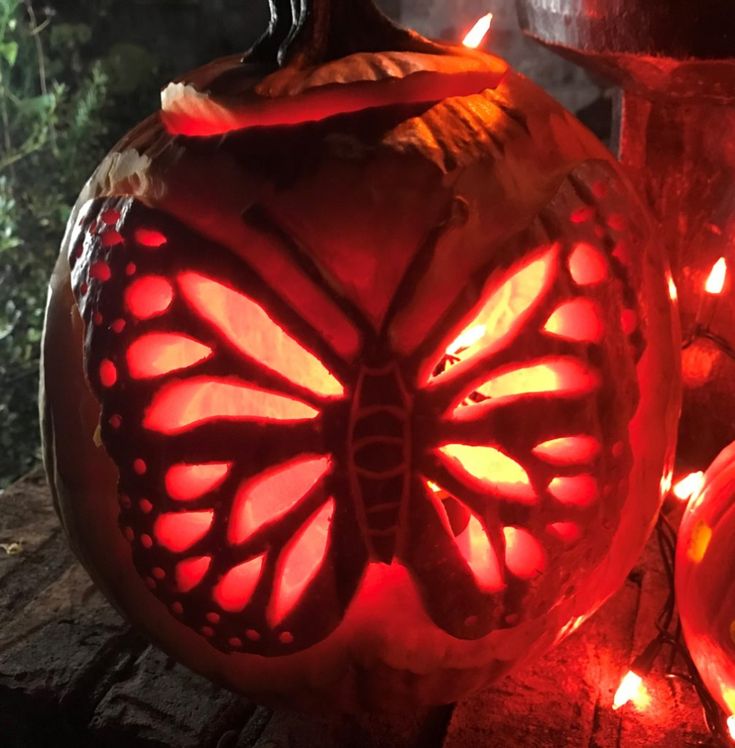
(73, 673)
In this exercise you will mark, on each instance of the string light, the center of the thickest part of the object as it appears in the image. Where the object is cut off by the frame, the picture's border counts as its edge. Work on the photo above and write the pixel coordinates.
(632, 687)
(716, 278)
(628, 690)
(690, 485)
(713, 288)
(476, 35)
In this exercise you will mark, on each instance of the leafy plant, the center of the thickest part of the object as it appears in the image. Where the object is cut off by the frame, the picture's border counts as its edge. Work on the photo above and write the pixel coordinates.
(52, 133)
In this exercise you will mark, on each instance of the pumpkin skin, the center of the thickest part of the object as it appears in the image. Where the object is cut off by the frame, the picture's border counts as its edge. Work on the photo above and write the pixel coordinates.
(364, 245)
(704, 578)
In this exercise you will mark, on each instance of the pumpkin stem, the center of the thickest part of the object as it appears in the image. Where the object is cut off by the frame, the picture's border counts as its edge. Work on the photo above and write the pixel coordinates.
(309, 32)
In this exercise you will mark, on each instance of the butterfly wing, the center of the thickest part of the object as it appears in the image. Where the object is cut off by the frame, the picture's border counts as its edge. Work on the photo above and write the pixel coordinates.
(525, 406)
(219, 417)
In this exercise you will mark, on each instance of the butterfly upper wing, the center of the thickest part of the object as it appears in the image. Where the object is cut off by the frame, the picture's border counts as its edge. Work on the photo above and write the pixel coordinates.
(217, 414)
(527, 384)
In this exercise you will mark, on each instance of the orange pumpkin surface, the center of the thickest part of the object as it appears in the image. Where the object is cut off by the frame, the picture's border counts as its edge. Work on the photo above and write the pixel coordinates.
(705, 570)
(360, 369)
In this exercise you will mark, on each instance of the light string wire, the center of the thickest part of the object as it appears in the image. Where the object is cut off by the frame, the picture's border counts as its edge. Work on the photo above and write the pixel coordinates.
(670, 636)
(679, 664)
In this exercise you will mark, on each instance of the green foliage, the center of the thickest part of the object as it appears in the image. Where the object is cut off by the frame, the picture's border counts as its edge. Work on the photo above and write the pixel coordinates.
(52, 134)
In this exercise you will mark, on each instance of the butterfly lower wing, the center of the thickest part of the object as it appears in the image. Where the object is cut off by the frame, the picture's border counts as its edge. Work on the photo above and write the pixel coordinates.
(525, 470)
(213, 410)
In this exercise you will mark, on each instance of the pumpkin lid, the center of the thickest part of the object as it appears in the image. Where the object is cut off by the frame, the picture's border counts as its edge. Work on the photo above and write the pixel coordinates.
(318, 59)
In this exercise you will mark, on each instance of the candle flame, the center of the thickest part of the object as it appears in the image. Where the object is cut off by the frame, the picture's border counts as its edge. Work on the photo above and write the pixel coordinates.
(466, 339)
(716, 279)
(631, 688)
(476, 35)
(731, 726)
(690, 485)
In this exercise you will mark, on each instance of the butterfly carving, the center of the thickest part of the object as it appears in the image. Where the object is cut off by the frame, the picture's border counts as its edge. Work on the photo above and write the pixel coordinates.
(272, 441)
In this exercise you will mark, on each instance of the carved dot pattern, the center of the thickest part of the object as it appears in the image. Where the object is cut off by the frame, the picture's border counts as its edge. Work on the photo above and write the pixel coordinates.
(242, 545)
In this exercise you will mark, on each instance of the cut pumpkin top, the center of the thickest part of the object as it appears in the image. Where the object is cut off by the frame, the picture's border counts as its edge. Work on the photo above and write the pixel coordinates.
(231, 95)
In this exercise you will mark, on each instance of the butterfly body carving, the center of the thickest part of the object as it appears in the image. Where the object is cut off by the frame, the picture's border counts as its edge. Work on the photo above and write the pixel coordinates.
(272, 441)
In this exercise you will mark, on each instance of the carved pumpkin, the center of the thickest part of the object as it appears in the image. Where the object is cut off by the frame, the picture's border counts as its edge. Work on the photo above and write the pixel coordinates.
(705, 557)
(360, 374)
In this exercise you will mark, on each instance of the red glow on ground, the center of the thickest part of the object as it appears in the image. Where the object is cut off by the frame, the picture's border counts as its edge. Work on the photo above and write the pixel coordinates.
(566, 376)
(569, 532)
(492, 469)
(250, 328)
(186, 482)
(236, 587)
(579, 320)
(587, 264)
(178, 531)
(108, 373)
(507, 308)
(159, 353)
(191, 571)
(577, 490)
(150, 238)
(568, 450)
(524, 555)
(300, 562)
(182, 404)
(272, 494)
(474, 545)
(149, 296)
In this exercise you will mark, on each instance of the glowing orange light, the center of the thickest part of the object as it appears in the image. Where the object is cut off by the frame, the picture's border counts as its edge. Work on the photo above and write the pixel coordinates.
(690, 485)
(476, 35)
(630, 689)
(716, 279)
(731, 726)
